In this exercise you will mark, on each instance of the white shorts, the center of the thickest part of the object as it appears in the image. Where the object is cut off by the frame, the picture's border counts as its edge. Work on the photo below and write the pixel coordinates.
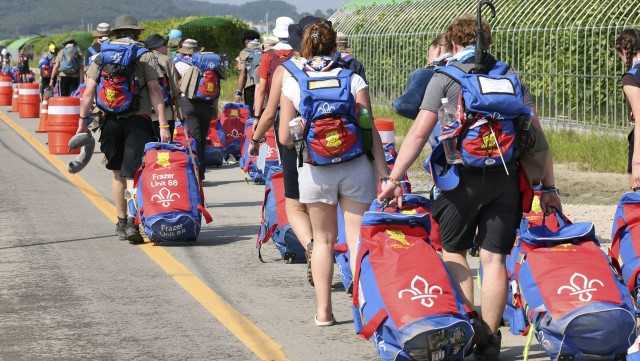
(354, 180)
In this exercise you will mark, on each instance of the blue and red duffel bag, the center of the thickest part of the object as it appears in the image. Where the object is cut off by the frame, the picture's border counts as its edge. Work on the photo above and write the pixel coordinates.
(563, 285)
(169, 197)
(403, 297)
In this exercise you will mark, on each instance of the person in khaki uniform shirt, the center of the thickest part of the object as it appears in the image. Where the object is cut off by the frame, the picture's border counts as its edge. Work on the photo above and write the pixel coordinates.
(246, 87)
(168, 81)
(124, 135)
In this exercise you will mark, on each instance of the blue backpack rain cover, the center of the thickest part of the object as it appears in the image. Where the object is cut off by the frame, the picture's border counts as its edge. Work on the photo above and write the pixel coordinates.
(209, 65)
(169, 198)
(117, 90)
(408, 104)
(332, 134)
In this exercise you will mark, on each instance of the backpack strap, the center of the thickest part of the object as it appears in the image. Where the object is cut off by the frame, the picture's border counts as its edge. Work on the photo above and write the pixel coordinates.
(297, 73)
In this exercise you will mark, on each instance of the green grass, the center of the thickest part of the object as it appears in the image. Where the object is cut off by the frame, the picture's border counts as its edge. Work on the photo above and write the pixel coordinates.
(228, 87)
(595, 152)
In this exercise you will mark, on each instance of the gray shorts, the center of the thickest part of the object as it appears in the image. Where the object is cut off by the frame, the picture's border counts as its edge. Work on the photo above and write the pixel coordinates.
(354, 180)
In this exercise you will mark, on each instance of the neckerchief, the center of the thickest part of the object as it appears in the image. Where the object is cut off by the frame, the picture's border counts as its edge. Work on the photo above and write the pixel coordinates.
(319, 63)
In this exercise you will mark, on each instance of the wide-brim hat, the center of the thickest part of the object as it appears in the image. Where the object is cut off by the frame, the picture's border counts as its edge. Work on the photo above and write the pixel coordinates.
(155, 41)
(126, 22)
(281, 30)
(189, 46)
(103, 29)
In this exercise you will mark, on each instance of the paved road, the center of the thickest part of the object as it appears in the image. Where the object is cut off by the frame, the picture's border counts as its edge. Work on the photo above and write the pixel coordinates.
(70, 290)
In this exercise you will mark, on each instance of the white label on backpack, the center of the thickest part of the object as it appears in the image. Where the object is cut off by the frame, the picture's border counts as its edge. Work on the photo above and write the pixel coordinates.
(263, 154)
(496, 86)
(324, 84)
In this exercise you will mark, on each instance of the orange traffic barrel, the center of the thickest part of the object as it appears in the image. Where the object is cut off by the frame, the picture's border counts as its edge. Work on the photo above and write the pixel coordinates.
(29, 100)
(6, 90)
(387, 130)
(42, 125)
(62, 122)
(14, 97)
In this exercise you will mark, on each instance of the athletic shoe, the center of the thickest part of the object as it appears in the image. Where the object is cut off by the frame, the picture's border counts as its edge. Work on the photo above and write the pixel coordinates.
(121, 229)
(133, 232)
(489, 349)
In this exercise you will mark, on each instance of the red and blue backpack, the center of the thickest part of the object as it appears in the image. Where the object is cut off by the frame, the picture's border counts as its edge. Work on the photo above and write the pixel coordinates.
(209, 65)
(403, 296)
(45, 66)
(117, 90)
(169, 198)
(562, 286)
(491, 111)
(331, 132)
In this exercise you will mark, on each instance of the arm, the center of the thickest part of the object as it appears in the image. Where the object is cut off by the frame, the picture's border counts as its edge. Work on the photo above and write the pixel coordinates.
(287, 113)
(155, 94)
(54, 73)
(242, 81)
(363, 101)
(268, 116)
(86, 104)
(261, 93)
(412, 145)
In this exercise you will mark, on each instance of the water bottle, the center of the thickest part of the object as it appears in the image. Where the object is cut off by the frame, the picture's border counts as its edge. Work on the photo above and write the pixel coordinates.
(447, 116)
(366, 126)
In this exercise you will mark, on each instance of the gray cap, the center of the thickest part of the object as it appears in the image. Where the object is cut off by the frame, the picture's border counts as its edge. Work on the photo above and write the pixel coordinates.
(102, 29)
(126, 22)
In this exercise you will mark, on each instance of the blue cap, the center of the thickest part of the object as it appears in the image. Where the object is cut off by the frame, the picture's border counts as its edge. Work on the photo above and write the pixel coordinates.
(445, 176)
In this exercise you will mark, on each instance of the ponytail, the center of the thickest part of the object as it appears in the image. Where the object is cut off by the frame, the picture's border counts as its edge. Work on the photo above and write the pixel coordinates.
(628, 42)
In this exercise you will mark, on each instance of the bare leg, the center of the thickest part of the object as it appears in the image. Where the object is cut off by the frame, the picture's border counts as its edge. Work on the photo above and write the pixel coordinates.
(118, 186)
(494, 288)
(353, 212)
(299, 220)
(325, 231)
(459, 269)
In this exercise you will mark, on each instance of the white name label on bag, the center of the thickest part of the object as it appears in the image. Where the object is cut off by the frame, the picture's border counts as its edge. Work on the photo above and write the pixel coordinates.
(496, 86)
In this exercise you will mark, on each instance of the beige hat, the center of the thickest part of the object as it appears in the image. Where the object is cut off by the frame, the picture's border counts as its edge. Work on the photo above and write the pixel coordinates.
(126, 22)
(281, 31)
(102, 30)
(269, 42)
(189, 46)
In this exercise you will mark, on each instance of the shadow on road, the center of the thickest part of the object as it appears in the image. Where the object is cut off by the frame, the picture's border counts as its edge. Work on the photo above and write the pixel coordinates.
(218, 236)
(55, 242)
(514, 353)
(234, 204)
(221, 183)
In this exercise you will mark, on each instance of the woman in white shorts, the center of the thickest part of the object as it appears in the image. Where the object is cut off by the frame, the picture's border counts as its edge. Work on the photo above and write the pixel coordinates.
(351, 184)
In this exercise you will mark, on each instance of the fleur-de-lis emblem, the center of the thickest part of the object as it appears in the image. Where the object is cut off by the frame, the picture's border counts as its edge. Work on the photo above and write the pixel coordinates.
(165, 197)
(581, 286)
(420, 290)
(326, 108)
(234, 134)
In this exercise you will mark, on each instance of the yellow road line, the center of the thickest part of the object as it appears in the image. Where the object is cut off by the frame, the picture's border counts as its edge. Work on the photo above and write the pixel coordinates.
(241, 327)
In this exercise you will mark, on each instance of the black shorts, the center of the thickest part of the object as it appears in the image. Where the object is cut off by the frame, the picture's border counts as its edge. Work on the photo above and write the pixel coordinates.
(289, 163)
(485, 208)
(122, 141)
(631, 138)
(68, 85)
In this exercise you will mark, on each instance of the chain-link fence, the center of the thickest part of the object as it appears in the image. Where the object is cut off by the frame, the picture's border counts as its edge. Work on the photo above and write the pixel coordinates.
(564, 50)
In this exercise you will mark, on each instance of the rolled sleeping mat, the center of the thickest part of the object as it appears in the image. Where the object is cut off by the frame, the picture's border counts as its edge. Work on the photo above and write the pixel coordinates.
(87, 144)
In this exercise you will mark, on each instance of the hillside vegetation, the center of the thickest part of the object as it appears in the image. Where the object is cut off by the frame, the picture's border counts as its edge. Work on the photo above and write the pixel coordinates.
(21, 17)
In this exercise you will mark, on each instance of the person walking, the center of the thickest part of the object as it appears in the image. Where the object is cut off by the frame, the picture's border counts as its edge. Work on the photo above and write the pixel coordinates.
(476, 205)
(338, 168)
(127, 125)
(248, 62)
(628, 50)
(45, 65)
(167, 79)
(100, 35)
(68, 68)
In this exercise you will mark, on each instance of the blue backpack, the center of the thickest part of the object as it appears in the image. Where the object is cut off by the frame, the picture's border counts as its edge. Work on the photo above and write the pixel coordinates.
(488, 133)
(563, 287)
(209, 65)
(45, 66)
(117, 90)
(274, 224)
(92, 52)
(403, 296)
(169, 198)
(331, 134)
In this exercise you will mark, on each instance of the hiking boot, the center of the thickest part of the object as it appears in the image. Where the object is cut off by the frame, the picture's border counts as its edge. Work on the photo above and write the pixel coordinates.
(308, 257)
(121, 229)
(488, 345)
(133, 232)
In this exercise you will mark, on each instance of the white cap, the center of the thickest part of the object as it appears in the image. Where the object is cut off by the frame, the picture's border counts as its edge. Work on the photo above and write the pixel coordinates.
(281, 31)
